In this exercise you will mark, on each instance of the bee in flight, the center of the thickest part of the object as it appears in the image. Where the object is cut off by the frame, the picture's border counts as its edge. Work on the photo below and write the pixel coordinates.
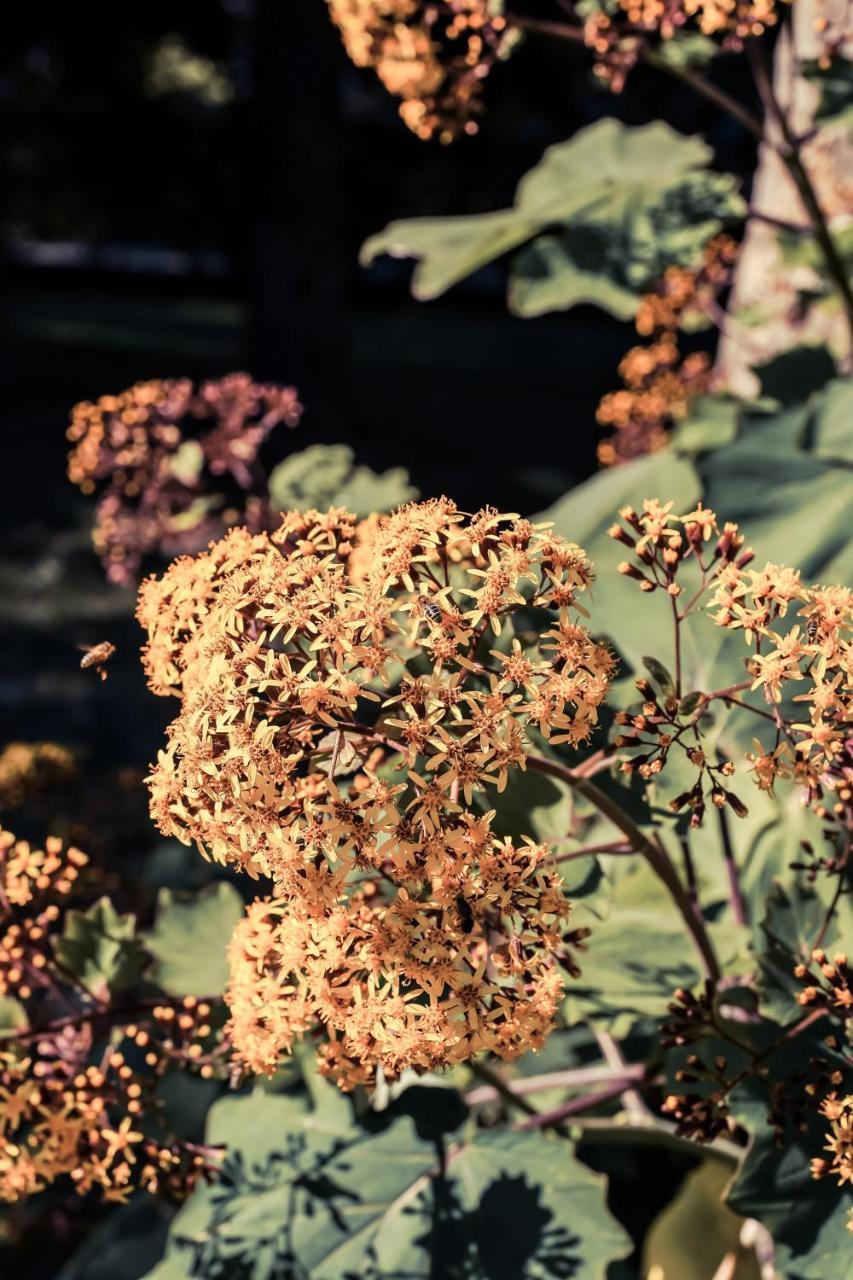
(97, 655)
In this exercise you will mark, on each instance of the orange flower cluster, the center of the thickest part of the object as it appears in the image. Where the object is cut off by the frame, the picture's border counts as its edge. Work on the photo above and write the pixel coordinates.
(618, 30)
(342, 716)
(28, 769)
(659, 384)
(839, 1144)
(76, 1078)
(432, 55)
(810, 663)
(159, 450)
(453, 958)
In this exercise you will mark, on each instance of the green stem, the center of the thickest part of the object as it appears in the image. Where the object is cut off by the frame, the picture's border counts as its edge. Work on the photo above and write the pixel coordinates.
(493, 1078)
(654, 853)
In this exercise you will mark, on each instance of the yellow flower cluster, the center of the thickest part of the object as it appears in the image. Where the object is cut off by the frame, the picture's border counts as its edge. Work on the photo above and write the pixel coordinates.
(163, 455)
(434, 56)
(810, 663)
(30, 879)
(83, 1124)
(28, 769)
(456, 959)
(348, 700)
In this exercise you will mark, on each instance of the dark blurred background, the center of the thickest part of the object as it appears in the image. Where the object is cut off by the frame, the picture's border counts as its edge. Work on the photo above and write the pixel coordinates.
(185, 189)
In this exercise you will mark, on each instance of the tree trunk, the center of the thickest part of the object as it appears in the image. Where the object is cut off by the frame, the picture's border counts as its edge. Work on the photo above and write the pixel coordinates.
(767, 289)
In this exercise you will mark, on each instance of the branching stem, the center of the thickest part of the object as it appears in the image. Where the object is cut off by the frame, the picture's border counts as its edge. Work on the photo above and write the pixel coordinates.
(654, 853)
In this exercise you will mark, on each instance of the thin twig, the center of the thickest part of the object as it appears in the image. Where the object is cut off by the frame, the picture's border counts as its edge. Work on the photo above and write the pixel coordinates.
(573, 1078)
(574, 1106)
(616, 848)
(496, 1082)
(735, 894)
(690, 872)
(612, 1054)
(25, 1035)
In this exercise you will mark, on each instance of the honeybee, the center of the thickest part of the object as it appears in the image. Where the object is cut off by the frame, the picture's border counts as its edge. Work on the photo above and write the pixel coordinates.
(466, 915)
(811, 630)
(430, 611)
(96, 655)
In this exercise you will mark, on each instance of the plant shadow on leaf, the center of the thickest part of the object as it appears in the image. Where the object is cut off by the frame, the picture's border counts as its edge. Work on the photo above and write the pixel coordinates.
(506, 1233)
(302, 1196)
(470, 1244)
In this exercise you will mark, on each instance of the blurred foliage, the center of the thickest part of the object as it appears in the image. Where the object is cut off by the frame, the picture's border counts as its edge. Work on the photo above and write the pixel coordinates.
(627, 203)
(327, 475)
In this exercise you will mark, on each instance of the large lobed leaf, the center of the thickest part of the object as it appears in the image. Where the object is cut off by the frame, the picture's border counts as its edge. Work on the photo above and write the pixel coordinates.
(302, 1193)
(600, 217)
(807, 1219)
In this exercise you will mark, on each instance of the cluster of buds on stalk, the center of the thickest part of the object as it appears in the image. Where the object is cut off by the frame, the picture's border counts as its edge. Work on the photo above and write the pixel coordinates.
(663, 546)
(618, 31)
(81, 1064)
(662, 543)
(433, 56)
(660, 382)
(827, 984)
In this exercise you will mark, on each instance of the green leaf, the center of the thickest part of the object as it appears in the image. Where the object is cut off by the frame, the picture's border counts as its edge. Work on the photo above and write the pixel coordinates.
(689, 1240)
(531, 805)
(325, 475)
(554, 273)
(687, 49)
(302, 1196)
(187, 461)
(190, 937)
(806, 1218)
(660, 676)
(790, 929)
(601, 216)
(366, 491)
(634, 961)
(122, 1247)
(100, 948)
(833, 422)
(449, 249)
(835, 83)
(711, 423)
(12, 1014)
(585, 515)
